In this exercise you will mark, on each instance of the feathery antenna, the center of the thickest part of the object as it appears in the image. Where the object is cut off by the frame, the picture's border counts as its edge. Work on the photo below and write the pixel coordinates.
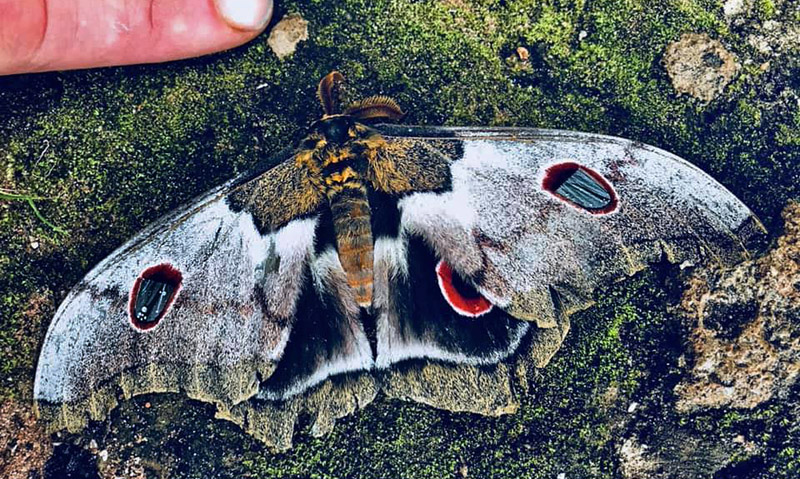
(329, 92)
(377, 107)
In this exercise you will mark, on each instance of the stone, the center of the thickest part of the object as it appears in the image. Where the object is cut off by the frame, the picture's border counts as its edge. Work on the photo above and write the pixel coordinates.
(520, 60)
(774, 38)
(700, 66)
(731, 8)
(745, 328)
(634, 461)
(667, 452)
(286, 34)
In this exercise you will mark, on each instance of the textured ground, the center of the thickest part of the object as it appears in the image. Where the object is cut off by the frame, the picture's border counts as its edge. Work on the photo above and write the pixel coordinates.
(108, 151)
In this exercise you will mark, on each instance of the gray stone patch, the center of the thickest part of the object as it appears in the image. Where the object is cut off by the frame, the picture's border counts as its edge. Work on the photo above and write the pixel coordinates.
(700, 66)
(284, 37)
(745, 335)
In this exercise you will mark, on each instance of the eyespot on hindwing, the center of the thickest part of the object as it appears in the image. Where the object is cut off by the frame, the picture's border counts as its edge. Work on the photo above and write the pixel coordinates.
(460, 295)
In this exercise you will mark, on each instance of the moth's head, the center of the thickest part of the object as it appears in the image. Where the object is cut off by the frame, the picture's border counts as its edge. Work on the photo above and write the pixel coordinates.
(335, 129)
(373, 109)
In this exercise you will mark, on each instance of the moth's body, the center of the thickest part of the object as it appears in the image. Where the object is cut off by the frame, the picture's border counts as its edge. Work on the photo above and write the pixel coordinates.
(336, 156)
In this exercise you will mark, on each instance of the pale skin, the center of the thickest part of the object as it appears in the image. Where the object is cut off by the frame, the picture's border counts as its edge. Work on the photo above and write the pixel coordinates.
(47, 35)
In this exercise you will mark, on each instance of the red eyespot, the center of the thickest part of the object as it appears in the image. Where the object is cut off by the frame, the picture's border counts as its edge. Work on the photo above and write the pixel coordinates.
(461, 296)
(581, 187)
(152, 295)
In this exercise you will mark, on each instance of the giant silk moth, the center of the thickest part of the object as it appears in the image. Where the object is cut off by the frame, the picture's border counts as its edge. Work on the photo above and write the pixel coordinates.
(374, 256)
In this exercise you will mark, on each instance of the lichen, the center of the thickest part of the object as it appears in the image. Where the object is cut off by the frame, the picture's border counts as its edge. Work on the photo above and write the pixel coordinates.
(745, 336)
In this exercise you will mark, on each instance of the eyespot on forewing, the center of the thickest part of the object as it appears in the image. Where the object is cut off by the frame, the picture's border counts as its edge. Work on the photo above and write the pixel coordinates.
(581, 187)
(152, 295)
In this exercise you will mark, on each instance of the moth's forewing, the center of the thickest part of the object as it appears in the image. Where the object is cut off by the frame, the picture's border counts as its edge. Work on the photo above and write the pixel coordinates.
(286, 193)
(230, 283)
(536, 247)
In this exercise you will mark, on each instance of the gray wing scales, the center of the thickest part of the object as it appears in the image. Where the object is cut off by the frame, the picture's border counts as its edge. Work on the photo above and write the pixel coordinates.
(229, 301)
(516, 221)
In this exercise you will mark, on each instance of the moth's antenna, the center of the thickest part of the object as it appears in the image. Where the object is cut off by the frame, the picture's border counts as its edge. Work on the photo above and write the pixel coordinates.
(377, 107)
(329, 92)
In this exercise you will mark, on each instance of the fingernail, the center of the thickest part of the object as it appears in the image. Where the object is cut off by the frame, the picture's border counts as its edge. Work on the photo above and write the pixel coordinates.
(245, 14)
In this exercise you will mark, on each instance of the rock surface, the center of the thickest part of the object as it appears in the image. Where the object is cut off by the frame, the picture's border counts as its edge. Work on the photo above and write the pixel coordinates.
(24, 444)
(744, 350)
(673, 453)
(286, 34)
(745, 331)
(700, 66)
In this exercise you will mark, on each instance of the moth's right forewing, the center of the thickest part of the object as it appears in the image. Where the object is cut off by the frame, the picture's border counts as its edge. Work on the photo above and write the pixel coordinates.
(536, 253)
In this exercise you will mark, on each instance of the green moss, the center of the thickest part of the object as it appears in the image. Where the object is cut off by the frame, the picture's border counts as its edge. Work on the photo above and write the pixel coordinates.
(114, 149)
(765, 9)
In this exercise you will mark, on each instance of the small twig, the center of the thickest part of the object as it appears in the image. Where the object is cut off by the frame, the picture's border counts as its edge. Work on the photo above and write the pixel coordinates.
(50, 170)
(46, 147)
(44, 220)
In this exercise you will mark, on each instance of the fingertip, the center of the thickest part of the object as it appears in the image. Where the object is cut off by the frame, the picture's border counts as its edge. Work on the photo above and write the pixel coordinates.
(247, 15)
(71, 34)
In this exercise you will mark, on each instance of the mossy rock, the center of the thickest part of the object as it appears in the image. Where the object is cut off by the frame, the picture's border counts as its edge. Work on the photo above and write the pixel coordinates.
(111, 150)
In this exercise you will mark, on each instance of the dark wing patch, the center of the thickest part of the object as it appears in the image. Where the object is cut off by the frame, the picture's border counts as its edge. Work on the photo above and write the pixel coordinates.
(581, 187)
(404, 165)
(325, 235)
(152, 295)
(284, 193)
(420, 323)
(326, 339)
(460, 294)
(384, 214)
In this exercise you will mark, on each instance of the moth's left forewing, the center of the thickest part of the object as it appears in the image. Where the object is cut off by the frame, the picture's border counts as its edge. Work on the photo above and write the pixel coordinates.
(224, 277)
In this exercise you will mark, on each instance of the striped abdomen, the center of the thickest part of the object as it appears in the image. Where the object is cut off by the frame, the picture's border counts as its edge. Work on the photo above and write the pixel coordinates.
(352, 224)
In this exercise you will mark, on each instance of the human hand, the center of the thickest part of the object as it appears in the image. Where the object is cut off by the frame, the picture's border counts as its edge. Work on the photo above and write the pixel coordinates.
(44, 35)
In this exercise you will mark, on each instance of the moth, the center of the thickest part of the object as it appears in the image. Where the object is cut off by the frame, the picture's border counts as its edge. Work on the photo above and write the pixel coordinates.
(430, 263)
